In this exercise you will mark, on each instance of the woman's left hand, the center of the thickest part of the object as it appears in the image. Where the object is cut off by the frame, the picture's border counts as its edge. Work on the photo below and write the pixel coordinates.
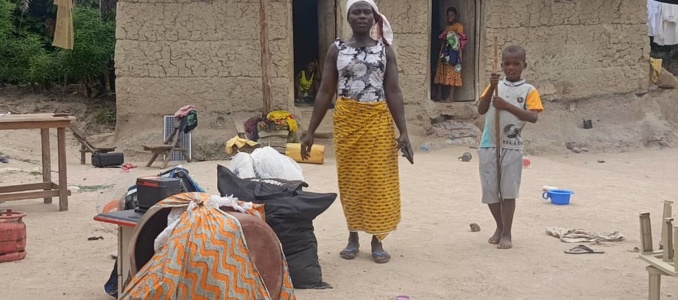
(405, 146)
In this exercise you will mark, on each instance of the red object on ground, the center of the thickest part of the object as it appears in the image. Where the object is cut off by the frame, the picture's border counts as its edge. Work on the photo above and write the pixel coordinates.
(12, 236)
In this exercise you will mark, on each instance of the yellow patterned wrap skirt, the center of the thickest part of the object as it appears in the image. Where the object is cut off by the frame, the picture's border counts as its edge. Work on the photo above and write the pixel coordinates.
(367, 166)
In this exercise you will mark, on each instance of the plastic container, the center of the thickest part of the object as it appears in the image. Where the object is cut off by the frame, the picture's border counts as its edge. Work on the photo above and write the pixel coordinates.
(432, 146)
(317, 155)
(547, 188)
(12, 236)
(558, 197)
(526, 161)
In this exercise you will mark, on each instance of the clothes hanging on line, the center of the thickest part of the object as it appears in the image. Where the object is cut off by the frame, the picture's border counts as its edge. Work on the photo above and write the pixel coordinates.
(662, 22)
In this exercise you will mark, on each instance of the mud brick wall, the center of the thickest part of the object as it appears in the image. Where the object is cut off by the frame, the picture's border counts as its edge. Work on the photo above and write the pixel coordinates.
(410, 22)
(576, 48)
(175, 52)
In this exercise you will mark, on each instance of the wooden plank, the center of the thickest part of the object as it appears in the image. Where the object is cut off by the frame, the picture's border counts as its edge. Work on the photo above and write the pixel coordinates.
(654, 282)
(668, 212)
(29, 118)
(657, 262)
(645, 234)
(240, 127)
(265, 55)
(34, 121)
(63, 175)
(667, 238)
(25, 187)
(28, 195)
(46, 160)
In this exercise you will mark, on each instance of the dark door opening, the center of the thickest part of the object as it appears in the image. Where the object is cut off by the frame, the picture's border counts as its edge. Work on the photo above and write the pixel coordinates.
(306, 50)
(459, 78)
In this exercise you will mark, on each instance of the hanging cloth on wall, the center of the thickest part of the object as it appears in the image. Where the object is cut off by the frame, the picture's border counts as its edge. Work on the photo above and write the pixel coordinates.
(667, 31)
(653, 17)
(63, 31)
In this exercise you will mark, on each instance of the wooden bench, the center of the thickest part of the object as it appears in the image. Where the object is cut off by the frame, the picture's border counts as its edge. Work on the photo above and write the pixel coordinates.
(86, 146)
(664, 262)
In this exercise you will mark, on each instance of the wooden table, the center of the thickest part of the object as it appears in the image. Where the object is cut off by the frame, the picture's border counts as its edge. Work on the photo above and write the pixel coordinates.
(126, 221)
(46, 189)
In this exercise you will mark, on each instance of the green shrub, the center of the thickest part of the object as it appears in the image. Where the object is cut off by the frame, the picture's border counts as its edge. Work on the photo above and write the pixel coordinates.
(27, 57)
(94, 46)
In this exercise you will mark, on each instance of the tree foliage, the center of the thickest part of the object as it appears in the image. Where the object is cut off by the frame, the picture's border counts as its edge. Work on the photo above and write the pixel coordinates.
(27, 56)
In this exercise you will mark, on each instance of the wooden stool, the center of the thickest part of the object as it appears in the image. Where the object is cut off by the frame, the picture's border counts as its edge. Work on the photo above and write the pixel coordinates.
(661, 262)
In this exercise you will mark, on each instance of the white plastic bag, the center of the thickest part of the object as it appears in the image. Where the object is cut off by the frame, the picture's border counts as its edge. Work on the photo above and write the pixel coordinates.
(269, 163)
(173, 219)
(242, 166)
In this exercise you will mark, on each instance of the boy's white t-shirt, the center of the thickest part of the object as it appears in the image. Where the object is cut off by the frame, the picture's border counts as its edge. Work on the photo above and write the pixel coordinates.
(519, 94)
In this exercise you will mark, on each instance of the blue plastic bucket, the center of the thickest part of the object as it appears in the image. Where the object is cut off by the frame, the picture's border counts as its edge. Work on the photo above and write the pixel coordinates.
(558, 197)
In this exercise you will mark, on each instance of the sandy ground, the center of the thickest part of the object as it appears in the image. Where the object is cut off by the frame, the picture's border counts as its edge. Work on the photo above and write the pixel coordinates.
(436, 256)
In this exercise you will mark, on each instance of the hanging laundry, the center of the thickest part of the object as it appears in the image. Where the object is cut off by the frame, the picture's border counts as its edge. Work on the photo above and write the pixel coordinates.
(653, 17)
(667, 32)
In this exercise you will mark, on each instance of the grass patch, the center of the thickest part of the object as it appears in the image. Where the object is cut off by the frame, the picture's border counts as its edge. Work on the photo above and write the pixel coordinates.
(93, 188)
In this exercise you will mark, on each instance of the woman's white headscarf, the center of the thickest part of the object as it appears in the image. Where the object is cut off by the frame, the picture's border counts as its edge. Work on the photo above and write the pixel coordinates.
(386, 34)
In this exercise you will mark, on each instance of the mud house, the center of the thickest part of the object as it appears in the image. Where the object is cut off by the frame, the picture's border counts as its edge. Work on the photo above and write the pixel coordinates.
(208, 53)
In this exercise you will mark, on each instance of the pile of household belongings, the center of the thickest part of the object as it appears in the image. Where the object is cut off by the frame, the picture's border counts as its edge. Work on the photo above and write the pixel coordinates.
(203, 254)
(130, 200)
(275, 180)
(273, 128)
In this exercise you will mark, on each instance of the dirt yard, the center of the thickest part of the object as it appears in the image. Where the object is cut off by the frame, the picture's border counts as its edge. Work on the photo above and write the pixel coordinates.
(436, 256)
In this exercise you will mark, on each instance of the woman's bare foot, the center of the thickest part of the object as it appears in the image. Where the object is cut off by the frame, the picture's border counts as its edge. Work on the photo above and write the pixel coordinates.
(505, 242)
(496, 237)
(379, 255)
(351, 250)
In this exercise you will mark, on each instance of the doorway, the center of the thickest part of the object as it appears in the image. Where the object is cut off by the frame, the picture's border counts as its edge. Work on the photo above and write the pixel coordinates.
(467, 17)
(314, 29)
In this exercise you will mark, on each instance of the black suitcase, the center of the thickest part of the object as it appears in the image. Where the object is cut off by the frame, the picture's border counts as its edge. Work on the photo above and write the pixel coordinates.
(106, 160)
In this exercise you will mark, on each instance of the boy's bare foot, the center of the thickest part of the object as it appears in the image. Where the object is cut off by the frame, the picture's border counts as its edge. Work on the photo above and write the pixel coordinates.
(505, 242)
(495, 238)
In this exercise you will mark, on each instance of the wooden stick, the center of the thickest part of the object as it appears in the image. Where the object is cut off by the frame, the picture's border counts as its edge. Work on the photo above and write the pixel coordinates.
(646, 246)
(497, 120)
(265, 56)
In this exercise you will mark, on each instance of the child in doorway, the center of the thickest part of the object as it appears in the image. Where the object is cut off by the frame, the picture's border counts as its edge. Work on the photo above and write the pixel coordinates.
(518, 102)
(448, 72)
(307, 83)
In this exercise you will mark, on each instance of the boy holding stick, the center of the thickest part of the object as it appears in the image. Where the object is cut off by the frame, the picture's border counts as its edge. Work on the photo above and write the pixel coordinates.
(517, 102)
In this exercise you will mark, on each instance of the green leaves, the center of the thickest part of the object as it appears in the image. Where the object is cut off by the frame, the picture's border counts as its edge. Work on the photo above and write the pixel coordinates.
(26, 54)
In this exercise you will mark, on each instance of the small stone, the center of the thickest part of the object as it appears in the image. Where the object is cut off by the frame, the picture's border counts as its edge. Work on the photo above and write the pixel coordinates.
(584, 149)
(601, 161)
(576, 150)
(475, 227)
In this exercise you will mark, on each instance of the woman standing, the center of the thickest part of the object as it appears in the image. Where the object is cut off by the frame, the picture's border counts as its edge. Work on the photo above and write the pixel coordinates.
(364, 73)
(448, 72)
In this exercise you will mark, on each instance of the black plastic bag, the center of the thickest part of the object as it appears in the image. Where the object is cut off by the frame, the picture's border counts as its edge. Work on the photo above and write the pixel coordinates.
(290, 213)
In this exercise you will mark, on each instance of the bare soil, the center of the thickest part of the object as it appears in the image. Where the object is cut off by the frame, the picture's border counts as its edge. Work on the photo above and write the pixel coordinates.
(435, 253)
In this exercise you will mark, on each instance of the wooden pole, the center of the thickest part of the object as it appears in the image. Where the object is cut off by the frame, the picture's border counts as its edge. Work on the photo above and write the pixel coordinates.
(265, 56)
(497, 133)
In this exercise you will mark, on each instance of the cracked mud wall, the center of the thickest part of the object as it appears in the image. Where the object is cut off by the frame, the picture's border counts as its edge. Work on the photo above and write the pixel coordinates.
(175, 52)
(576, 48)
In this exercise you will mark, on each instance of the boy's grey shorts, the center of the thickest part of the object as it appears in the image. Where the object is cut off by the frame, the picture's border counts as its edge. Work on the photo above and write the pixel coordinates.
(511, 172)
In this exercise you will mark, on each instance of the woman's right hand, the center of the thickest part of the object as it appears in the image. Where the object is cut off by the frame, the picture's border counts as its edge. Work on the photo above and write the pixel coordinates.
(306, 144)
